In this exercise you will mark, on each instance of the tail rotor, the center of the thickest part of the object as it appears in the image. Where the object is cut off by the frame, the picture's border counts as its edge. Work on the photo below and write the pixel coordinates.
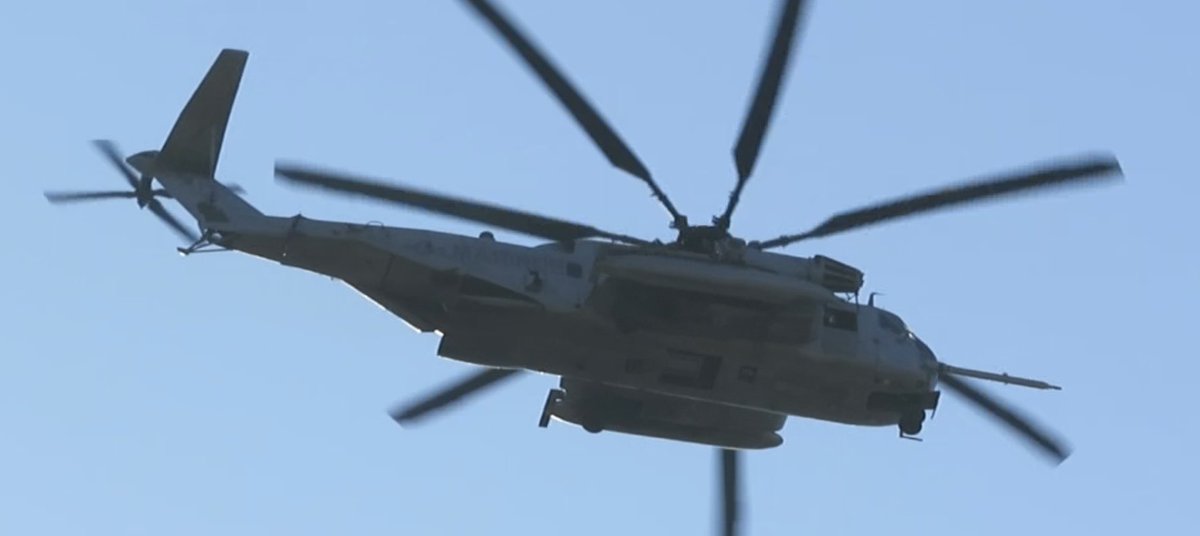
(140, 185)
(141, 190)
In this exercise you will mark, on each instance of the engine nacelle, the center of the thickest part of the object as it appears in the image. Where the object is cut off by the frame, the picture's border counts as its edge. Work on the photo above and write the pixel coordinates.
(599, 407)
(771, 279)
(834, 275)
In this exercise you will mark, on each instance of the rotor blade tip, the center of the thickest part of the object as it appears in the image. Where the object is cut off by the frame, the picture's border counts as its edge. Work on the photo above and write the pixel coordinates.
(399, 415)
(1107, 161)
(1117, 168)
(1060, 456)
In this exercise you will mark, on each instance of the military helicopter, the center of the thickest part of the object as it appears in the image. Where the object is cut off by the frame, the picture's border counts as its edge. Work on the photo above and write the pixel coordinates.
(704, 338)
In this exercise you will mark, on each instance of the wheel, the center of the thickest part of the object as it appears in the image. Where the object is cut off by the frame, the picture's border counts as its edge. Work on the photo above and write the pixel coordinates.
(910, 423)
(592, 425)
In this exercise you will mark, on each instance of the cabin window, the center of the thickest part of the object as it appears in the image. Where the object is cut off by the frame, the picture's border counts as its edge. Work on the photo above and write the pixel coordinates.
(574, 270)
(841, 319)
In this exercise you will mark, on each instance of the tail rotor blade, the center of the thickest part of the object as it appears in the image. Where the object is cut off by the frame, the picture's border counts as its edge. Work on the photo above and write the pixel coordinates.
(171, 222)
(109, 149)
(141, 185)
(1022, 426)
(72, 197)
(450, 394)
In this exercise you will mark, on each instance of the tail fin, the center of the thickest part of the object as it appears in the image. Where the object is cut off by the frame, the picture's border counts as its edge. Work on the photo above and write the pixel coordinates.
(186, 165)
(194, 144)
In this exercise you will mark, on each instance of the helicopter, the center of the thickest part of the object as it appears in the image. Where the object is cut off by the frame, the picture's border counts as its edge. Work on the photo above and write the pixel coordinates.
(704, 338)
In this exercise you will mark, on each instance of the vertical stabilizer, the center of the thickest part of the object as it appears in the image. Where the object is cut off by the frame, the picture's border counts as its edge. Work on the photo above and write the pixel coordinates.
(194, 145)
(186, 165)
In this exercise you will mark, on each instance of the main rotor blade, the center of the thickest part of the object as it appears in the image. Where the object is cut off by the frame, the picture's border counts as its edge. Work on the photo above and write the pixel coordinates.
(110, 152)
(171, 222)
(507, 218)
(1008, 416)
(1081, 170)
(758, 117)
(615, 149)
(451, 394)
(68, 197)
(730, 495)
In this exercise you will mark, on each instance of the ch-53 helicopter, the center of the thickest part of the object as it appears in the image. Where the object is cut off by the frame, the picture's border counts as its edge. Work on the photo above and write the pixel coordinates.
(706, 338)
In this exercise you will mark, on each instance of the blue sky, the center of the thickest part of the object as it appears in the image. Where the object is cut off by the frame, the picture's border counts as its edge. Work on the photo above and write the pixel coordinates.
(142, 392)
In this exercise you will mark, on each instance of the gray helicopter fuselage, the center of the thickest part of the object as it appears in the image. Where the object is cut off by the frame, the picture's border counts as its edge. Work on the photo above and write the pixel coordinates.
(716, 348)
(585, 310)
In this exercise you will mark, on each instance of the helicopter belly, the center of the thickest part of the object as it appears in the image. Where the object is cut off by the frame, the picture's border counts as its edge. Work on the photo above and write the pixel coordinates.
(600, 407)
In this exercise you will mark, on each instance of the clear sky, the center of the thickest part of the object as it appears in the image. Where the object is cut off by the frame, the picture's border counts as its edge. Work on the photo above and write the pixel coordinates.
(142, 393)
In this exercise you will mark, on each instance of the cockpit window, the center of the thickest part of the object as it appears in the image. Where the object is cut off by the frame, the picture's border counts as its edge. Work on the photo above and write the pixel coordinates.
(892, 323)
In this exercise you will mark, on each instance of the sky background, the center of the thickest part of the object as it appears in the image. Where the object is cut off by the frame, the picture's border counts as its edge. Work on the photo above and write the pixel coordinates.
(146, 393)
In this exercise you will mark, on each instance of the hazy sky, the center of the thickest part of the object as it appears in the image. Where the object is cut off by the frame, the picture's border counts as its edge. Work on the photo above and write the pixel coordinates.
(146, 393)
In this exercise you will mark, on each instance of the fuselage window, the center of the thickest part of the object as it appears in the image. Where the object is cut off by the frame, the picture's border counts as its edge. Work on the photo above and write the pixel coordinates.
(840, 319)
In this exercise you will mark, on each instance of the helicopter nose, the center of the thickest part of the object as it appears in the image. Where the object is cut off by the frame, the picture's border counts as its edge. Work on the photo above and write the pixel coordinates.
(924, 351)
(927, 361)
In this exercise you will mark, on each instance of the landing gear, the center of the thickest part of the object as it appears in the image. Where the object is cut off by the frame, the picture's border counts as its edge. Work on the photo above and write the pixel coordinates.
(911, 421)
(206, 244)
(592, 425)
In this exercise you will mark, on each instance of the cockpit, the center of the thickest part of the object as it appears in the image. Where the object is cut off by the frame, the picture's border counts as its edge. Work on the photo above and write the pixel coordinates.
(900, 347)
(905, 368)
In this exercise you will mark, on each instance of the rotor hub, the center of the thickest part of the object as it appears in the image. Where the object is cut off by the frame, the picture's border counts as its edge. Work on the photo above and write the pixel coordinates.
(702, 238)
